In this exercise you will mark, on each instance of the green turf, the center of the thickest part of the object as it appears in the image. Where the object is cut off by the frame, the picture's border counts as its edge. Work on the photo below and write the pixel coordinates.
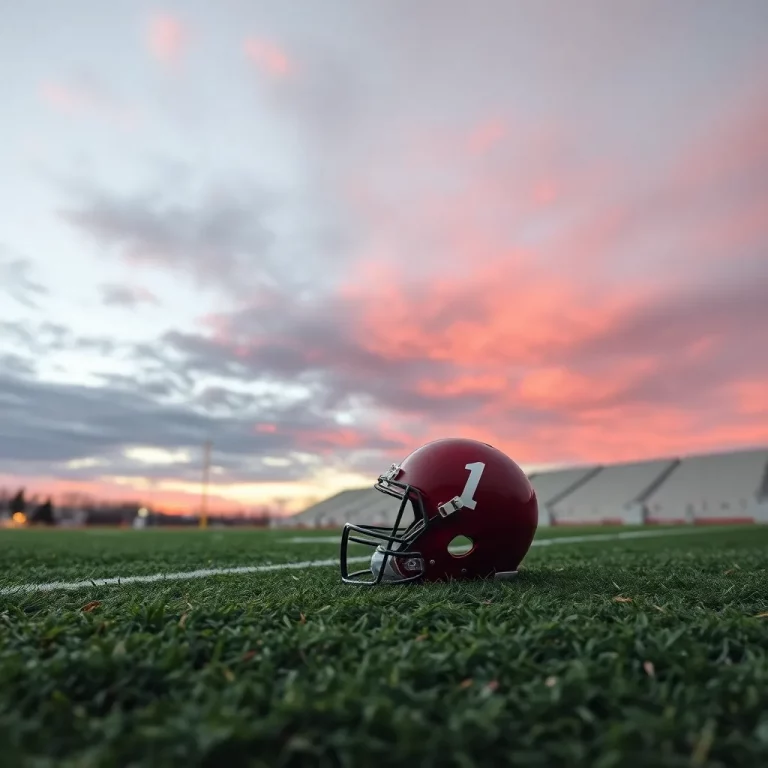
(645, 652)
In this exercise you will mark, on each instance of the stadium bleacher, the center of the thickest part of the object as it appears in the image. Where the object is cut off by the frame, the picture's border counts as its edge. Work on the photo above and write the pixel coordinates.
(551, 486)
(711, 488)
(727, 487)
(610, 493)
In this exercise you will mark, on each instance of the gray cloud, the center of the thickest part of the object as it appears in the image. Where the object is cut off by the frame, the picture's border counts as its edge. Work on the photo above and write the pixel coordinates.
(45, 425)
(228, 234)
(126, 296)
(16, 364)
(17, 281)
(42, 338)
(217, 235)
(160, 384)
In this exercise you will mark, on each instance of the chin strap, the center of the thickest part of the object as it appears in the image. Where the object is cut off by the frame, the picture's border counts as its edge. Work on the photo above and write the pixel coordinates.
(412, 566)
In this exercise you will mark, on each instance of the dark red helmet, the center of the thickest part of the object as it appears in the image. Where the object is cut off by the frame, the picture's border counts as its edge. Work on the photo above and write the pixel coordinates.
(455, 487)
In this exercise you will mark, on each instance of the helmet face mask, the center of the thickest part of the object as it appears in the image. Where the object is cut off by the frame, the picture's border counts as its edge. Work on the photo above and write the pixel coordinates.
(495, 507)
(392, 544)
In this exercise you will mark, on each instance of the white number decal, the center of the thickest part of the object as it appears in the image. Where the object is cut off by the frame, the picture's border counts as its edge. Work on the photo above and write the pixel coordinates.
(468, 494)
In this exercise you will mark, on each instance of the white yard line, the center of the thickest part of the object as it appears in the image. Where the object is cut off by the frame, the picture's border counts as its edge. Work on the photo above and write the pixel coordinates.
(203, 573)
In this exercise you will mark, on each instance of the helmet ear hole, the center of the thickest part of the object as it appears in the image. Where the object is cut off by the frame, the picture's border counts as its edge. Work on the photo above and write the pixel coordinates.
(460, 546)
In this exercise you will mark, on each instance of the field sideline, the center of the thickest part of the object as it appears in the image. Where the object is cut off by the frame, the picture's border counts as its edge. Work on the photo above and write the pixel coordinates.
(637, 650)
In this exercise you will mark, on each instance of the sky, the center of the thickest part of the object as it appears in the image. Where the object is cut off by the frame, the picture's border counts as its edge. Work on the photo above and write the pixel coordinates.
(322, 234)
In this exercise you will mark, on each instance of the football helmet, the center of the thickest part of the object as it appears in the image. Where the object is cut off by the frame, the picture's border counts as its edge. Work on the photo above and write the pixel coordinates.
(454, 487)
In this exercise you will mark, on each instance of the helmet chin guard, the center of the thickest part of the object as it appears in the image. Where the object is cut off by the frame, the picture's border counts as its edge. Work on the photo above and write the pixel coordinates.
(392, 570)
(393, 561)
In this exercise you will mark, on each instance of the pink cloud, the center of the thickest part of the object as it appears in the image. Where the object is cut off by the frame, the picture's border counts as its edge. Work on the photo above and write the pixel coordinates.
(552, 349)
(752, 398)
(167, 37)
(326, 442)
(545, 191)
(269, 57)
(486, 136)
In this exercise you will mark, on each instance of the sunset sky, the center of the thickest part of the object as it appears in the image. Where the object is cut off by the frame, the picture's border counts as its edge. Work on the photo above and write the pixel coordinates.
(320, 234)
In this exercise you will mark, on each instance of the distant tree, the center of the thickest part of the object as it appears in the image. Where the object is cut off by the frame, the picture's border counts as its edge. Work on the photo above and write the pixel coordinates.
(43, 514)
(18, 502)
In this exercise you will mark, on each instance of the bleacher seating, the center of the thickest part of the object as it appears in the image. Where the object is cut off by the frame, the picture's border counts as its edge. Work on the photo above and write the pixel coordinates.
(607, 496)
(713, 488)
(724, 487)
(363, 505)
(550, 486)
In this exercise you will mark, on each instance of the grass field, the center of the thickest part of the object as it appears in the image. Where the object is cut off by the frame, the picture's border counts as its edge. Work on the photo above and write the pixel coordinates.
(610, 652)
